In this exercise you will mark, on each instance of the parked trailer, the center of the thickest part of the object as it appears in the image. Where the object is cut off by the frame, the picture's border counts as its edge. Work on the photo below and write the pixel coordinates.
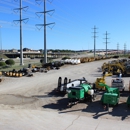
(83, 92)
(111, 95)
(118, 83)
(62, 87)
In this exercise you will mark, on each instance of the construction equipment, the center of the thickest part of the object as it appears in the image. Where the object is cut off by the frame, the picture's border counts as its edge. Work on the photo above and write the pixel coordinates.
(56, 64)
(117, 67)
(83, 92)
(113, 68)
(118, 83)
(100, 80)
(111, 96)
(62, 87)
(126, 71)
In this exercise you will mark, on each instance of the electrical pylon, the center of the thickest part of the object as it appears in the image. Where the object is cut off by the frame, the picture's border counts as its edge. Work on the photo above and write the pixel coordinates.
(106, 34)
(20, 20)
(45, 24)
(94, 39)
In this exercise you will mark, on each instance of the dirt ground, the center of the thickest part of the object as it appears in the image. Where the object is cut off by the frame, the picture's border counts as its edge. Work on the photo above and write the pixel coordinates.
(36, 94)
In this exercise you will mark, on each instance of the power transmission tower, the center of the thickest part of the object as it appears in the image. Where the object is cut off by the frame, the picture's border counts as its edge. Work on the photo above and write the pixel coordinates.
(45, 24)
(1, 42)
(94, 39)
(117, 48)
(106, 34)
(124, 48)
(16, 22)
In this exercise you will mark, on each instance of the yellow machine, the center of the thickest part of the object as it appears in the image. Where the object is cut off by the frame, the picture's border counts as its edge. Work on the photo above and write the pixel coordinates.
(116, 67)
(126, 71)
(100, 80)
(113, 68)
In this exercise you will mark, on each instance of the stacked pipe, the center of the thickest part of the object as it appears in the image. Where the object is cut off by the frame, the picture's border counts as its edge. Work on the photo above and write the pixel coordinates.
(72, 61)
(14, 74)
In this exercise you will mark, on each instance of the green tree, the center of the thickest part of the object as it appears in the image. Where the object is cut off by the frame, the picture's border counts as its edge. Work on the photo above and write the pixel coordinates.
(66, 57)
(2, 64)
(10, 62)
(48, 60)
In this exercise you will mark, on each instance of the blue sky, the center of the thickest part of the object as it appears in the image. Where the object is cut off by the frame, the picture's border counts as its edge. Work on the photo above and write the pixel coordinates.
(74, 23)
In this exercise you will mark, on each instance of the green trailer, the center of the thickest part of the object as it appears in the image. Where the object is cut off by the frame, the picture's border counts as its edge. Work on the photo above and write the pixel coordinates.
(111, 96)
(83, 92)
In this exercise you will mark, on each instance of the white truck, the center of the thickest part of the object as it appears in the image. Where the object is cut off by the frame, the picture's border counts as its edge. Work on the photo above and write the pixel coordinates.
(118, 83)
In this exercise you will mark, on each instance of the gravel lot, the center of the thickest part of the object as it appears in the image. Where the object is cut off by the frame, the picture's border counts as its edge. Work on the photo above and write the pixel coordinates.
(30, 103)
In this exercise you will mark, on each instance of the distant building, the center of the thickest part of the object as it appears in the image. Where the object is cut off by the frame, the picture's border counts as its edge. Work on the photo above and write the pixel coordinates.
(26, 49)
(49, 52)
(30, 50)
(41, 51)
(13, 50)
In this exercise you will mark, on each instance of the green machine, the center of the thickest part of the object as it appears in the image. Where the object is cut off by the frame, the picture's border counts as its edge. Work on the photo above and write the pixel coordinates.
(83, 92)
(111, 96)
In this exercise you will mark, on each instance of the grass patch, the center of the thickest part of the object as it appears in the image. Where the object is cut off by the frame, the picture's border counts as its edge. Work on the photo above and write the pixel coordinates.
(3, 56)
(17, 65)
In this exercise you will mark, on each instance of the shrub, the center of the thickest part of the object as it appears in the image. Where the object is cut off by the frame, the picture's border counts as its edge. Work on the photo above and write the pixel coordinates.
(115, 56)
(2, 64)
(66, 57)
(48, 60)
(10, 62)
(41, 61)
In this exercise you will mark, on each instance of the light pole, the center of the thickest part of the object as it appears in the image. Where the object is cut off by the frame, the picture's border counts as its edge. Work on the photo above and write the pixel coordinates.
(1, 42)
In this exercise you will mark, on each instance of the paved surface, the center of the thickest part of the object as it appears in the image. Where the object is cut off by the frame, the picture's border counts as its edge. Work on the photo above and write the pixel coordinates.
(42, 120)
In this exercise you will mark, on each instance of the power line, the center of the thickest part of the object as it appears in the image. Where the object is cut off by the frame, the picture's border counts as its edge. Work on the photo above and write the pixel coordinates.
(61, 19)
(8, 4)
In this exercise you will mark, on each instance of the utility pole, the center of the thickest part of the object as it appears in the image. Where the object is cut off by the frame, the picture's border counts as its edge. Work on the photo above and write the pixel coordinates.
(124, 48)
(1, 42)
(94, 39)
(16, 22)
(106, 34)
(117, 48)
(45, 24)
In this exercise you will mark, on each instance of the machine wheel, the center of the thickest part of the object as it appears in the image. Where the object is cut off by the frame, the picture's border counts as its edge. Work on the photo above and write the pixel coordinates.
(117, 104)
(105, 107)
(69, 105)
